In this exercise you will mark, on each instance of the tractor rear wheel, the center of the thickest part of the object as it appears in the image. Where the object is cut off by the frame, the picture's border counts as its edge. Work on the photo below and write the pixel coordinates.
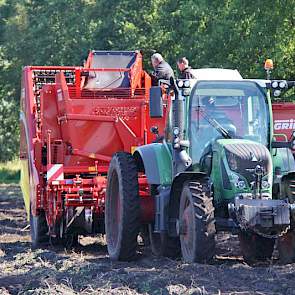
(39, 230)
(196, 222)
(163, 245)
(255, 248)
(122, 209)
(286, 247)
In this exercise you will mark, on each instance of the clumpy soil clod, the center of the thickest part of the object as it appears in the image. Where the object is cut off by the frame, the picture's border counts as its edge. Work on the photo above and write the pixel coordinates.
(88, 270)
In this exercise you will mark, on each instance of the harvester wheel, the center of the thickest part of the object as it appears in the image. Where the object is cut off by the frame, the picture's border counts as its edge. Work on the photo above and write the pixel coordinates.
(68, 242)
(39, 230)
(196, 222)
(286, 247)
(62, 239)
(255, 248)
(163, 245)
(122, 210)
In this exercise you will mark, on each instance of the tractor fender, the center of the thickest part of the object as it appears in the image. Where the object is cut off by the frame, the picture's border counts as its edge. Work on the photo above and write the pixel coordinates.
(156, 162)
(175, 193)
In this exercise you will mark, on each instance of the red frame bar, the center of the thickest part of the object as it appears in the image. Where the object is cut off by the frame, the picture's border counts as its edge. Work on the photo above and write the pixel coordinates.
(81, 69)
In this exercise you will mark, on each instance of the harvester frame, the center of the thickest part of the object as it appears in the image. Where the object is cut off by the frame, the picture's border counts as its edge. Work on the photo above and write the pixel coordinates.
(72, 120)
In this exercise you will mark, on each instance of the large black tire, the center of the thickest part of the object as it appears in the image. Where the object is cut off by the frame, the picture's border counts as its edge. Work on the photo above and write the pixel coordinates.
(196, 222)
(39, 230)
(286, 247)
(255, 248)
(122, 211)
(163, 245)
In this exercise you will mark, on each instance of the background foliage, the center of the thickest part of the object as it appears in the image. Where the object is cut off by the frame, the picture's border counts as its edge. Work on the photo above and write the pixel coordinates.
(227, 33)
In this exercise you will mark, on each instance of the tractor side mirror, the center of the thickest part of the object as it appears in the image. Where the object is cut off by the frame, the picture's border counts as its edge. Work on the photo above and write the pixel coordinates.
(156, 102)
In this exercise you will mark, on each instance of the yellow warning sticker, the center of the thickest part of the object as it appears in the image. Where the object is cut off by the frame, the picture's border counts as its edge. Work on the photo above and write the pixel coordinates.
(133, 149)
(91, 168)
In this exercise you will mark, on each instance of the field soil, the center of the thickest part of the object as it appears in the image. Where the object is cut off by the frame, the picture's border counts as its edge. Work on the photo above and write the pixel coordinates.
(87, 269)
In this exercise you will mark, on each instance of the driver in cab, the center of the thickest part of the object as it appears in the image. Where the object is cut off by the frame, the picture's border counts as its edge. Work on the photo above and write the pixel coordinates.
(214, 115)
(210, 123)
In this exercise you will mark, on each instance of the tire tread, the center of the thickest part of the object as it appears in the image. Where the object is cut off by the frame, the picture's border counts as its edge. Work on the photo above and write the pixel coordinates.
(125, 166)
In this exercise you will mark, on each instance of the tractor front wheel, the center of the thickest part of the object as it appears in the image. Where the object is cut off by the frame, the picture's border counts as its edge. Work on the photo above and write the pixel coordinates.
(122, 209)
(39, 230)
(255, 248)
(286, 247)
(196, 222)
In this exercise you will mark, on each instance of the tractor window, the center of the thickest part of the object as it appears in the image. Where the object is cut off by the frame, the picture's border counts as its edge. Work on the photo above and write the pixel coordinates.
(255, 125)
(227, 101)
(233, 109)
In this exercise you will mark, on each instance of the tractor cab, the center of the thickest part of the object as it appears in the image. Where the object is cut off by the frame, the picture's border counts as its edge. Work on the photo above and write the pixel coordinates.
(226, 109)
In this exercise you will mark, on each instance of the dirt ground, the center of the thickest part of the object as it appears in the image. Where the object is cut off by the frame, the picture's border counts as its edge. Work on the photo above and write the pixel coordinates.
(88, 270)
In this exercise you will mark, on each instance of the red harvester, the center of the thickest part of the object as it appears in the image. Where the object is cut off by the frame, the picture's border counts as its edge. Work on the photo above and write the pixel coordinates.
(73, 119)
(284, 119)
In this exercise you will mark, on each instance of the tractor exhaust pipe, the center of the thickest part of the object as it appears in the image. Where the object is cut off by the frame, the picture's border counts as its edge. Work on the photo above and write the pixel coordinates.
(182, 159)
(177, 110)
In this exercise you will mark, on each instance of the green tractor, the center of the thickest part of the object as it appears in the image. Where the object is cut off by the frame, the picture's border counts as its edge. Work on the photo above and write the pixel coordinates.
(218, 167)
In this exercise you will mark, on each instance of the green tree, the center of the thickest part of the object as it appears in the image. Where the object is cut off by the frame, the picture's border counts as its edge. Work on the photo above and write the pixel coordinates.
(225, 33)
(236, 34)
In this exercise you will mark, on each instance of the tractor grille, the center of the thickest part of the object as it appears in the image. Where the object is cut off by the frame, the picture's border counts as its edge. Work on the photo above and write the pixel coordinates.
(244, 158)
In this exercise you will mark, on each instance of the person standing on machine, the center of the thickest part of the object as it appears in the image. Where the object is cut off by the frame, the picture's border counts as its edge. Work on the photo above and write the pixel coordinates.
(184, 69)
(162, 70)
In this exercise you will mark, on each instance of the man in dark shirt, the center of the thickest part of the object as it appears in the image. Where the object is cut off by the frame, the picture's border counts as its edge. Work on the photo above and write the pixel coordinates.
(162, 69)
(184, 69)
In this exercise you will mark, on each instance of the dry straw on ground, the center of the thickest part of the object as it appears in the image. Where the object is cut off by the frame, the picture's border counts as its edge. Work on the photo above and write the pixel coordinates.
(87, 270)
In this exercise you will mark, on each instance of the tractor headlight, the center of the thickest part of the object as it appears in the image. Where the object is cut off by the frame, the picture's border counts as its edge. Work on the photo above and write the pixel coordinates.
(274, 84)
(176, 131)
(265, 184)
(186, 83)
(283, 84)
(180, 83)
(186, 91)
(277, 93)
(241, 184)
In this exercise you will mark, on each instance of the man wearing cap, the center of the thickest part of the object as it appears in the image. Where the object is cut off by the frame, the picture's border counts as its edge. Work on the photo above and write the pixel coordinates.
(162, 69)
(184, 69)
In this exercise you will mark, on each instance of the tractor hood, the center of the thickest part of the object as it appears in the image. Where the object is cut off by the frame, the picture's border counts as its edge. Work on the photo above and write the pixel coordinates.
(248, 162)
(245, 156)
